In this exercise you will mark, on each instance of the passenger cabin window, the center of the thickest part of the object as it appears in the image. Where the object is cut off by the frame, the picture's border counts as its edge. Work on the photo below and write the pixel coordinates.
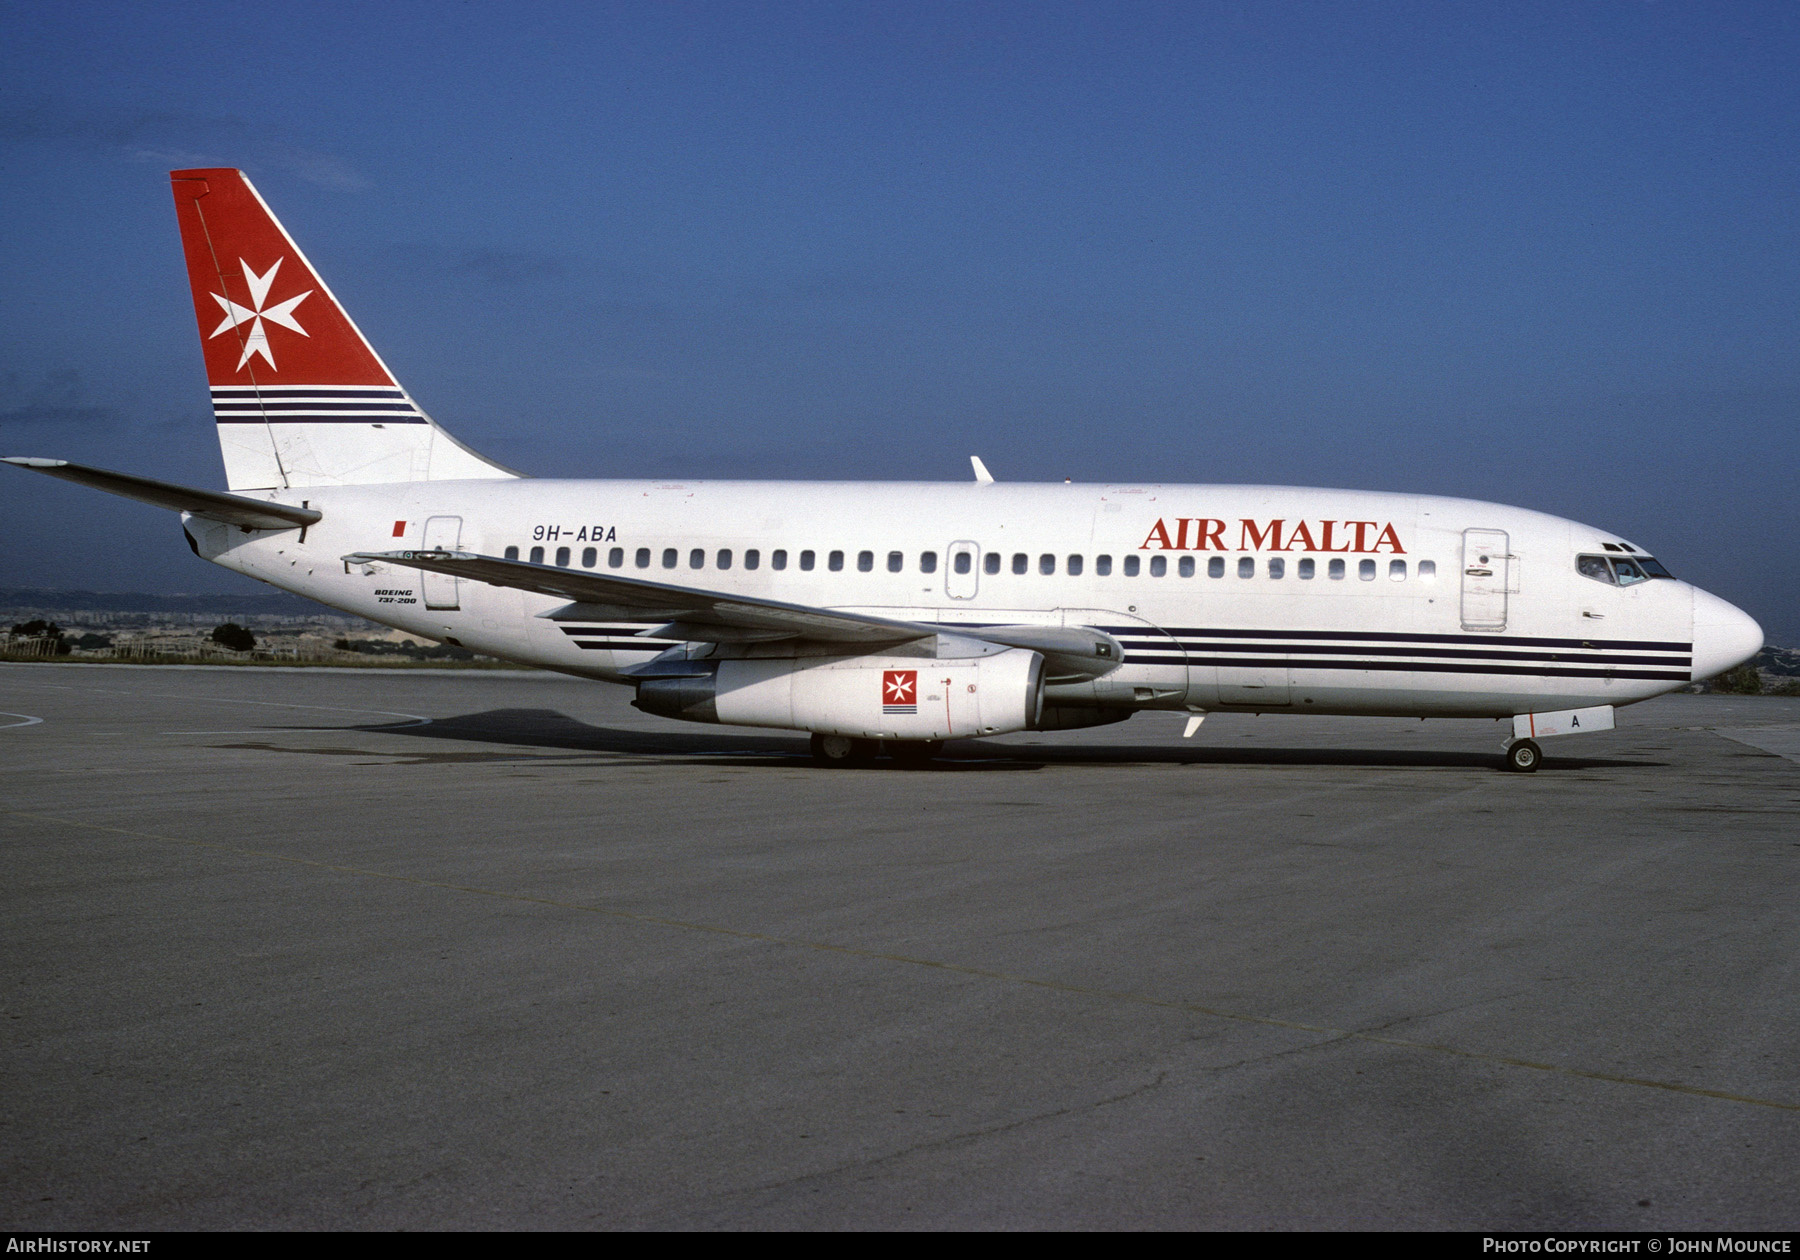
(990, 563)
(1277, 568)
(778, 558)
(962, 562)
(865, 562)
(1428, 570)
(1159, 565)
(806, 561)
(643, 557)
(697, 558)
(1366, 570)
(753, 559)
(1046, 564)
(1072, 566)
(1246, 567)
(1304, 570)
(537, 555)
(835, 562)
(1185, 566)
(562, 557)
(671, 557)
(1215, 567)
(589, 557)
(511, 553)
(1021, 562)
(896, 561)
(615, 559)
(1397, 570)
(1131, 566)
(1336, 570)
(928, 562)
(724, 558)
(1103, 566)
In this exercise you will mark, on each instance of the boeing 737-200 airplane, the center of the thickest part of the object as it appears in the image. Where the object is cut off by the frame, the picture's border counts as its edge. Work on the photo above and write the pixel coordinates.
(883, 616)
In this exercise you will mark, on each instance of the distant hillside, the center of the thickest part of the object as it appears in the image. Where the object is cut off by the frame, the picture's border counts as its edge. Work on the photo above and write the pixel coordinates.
(1783, 662)
(260, 603)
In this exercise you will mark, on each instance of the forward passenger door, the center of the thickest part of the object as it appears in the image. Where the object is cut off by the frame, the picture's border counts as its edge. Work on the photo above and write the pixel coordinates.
(1486, 578)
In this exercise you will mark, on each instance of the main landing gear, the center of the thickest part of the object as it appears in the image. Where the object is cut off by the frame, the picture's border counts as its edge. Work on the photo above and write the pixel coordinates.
(1524, 756)
(841, 750)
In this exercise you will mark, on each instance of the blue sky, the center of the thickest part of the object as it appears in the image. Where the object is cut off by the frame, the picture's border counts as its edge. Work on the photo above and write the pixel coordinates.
(1540, 254)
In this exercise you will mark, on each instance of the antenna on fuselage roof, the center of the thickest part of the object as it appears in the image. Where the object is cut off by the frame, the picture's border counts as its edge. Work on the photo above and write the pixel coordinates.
(982, 475)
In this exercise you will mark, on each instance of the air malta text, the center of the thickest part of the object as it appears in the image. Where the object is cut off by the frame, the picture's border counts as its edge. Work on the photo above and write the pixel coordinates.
(1204, 534)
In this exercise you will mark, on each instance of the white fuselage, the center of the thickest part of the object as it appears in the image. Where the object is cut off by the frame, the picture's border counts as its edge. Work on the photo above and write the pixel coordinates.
(1254, 598)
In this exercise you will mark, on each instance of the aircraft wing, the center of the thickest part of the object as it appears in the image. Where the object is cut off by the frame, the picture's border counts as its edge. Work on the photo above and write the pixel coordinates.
(702, 616)
(233, 509)
(697, 616)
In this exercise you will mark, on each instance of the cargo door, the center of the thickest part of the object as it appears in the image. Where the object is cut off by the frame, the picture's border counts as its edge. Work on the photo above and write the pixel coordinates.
(442, 533)
(1486, 578)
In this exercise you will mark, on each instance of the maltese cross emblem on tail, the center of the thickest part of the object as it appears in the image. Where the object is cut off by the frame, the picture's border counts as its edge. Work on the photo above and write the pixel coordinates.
(257, 342)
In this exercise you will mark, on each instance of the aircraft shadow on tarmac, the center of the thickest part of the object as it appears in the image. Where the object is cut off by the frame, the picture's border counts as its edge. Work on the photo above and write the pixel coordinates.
(545, 729)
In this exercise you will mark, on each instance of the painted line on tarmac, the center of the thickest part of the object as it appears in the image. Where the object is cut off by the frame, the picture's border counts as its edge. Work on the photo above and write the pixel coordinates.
(414, 718)
(25, 719)
(875, 955)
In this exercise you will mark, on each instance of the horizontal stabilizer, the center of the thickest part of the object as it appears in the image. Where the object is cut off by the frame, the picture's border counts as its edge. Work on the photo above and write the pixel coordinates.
(233, 509)
(694, 609)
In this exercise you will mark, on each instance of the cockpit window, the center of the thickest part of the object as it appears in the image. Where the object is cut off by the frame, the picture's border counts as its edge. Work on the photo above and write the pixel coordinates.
(1594, 567)
(1629, 573)
(1654, 568)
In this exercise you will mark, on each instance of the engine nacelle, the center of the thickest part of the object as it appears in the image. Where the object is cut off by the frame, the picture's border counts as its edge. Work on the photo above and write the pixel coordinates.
(867, 697)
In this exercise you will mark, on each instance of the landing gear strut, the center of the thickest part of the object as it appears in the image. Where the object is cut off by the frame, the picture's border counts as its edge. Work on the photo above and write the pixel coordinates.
(1524, 756)
(841, 750)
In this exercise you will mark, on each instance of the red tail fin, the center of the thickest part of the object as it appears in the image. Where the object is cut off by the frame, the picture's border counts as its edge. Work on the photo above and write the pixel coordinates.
(300, 396)
(265, 316)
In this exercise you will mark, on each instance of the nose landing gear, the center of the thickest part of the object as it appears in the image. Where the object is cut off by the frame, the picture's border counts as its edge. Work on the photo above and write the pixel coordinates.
(1523, 756)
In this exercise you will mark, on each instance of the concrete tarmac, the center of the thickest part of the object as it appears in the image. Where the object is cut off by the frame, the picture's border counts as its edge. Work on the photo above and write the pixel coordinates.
(301, 949)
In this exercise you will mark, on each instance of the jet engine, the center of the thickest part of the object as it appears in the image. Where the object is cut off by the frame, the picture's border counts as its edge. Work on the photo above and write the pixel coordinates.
(865, 697)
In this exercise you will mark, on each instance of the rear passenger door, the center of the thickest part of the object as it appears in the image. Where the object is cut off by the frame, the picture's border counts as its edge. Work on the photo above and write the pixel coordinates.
(442, 533)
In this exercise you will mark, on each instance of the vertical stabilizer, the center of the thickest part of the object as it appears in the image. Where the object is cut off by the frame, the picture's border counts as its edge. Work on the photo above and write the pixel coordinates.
(300, 396)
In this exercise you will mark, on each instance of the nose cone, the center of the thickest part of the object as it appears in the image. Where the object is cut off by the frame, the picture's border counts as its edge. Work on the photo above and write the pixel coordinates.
(1724, 636)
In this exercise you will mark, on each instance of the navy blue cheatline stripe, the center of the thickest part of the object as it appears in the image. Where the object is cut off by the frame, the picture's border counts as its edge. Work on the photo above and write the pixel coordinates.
(307, 404)
(1349, 637)
(1359, 636)
(1413, 667)
(1475, 654)
(367, 417)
